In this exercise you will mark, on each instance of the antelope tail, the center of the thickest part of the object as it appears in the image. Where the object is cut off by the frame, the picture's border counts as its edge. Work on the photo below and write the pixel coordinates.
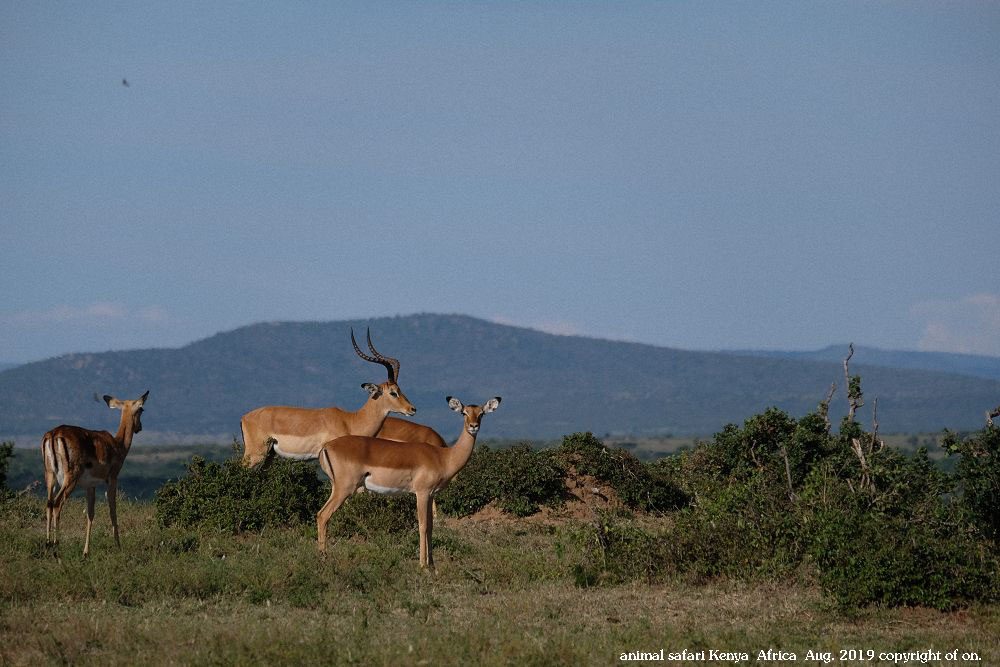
(56, 457)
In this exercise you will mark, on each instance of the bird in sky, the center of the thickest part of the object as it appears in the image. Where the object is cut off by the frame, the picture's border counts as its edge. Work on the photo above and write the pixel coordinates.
(125, 83)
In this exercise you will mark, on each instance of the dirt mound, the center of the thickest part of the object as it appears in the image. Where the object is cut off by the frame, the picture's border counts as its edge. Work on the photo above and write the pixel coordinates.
(585, 497)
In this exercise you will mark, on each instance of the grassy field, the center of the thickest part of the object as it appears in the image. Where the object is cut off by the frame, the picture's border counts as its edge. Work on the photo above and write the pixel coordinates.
(503, 593)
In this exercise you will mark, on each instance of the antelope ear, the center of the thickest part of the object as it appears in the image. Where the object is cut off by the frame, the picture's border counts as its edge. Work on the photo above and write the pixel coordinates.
(492, 404)
(373, 390)
(142, 399)
(454, 404)
(113, 402)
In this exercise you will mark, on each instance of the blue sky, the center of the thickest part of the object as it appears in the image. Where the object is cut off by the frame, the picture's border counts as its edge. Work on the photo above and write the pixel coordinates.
(772, 175)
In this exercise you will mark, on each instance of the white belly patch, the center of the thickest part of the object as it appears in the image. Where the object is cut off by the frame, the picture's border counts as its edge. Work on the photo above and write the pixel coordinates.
(385, 490)
(296, 447)
(289, 455)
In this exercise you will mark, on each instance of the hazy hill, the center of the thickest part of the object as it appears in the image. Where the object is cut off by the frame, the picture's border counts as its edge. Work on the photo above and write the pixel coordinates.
(946, 362)
(550, 384)
(4, 365)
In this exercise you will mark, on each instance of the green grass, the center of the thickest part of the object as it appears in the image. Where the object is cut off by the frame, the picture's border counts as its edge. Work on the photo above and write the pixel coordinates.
(503, 593)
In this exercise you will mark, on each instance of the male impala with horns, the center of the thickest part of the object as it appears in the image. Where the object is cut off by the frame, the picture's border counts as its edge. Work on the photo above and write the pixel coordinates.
(299, 433)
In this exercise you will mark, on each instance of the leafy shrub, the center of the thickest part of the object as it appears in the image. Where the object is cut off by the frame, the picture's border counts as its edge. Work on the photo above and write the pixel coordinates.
(775, 494)
(232, 497)
(766, 442)
(893, 561)
(519, 479)
(745, 529)
(743, 451)
(6, 454)
(612, 549)
(906, 542)
(977, 476)
(637, 484)
(866, 557)
(365, 514)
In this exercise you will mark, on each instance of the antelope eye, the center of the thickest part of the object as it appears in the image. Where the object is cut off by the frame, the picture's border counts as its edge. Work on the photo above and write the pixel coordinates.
(394, 394)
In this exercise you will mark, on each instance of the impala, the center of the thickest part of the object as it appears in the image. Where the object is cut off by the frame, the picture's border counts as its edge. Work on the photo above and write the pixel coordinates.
(385, 466)
(299, 433)
(401, 430)
(78, 456)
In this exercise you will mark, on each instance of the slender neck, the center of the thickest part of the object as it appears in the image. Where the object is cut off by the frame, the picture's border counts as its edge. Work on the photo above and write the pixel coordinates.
(124, 435)
(459, 453)
(370, 418)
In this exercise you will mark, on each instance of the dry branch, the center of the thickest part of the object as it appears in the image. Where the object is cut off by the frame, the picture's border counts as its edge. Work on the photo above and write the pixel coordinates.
(865, 483)
(853, 389)
(788, 472)
(824, 406)
(881, 443)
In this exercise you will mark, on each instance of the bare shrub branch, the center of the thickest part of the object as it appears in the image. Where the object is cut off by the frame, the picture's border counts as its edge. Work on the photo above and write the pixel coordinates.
(824, 406)
(853, 386)
(875, 440)
(788, 472)
(865, 483)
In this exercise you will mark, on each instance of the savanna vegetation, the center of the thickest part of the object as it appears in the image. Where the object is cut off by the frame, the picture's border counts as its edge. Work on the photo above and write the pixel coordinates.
(778, 532)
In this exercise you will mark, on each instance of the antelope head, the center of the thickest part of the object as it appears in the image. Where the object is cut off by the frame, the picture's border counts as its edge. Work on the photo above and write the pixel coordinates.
(389, 391)
(133, 408)
(473, 413)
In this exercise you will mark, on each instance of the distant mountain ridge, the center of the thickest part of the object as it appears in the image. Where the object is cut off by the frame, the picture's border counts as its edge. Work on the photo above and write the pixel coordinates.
(945, 362)
(551, 384)
(4, 366)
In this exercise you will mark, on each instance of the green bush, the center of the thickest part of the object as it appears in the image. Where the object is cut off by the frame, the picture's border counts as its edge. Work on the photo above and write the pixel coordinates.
(638, 485)
(6, 454)
(232, 497)
(906, 542)
(366, 514)
(977, 476)
(519, 479)
(870, 557)
(613, 549)
(746, 529)
(775, 495)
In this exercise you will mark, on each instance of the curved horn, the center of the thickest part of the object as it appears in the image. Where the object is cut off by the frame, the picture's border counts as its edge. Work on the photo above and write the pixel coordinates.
(391, 365)
(393, 362)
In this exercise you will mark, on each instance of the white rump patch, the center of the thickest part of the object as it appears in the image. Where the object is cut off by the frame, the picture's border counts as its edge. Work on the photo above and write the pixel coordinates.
(384, 490)
(50, 460)
(61, 466)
